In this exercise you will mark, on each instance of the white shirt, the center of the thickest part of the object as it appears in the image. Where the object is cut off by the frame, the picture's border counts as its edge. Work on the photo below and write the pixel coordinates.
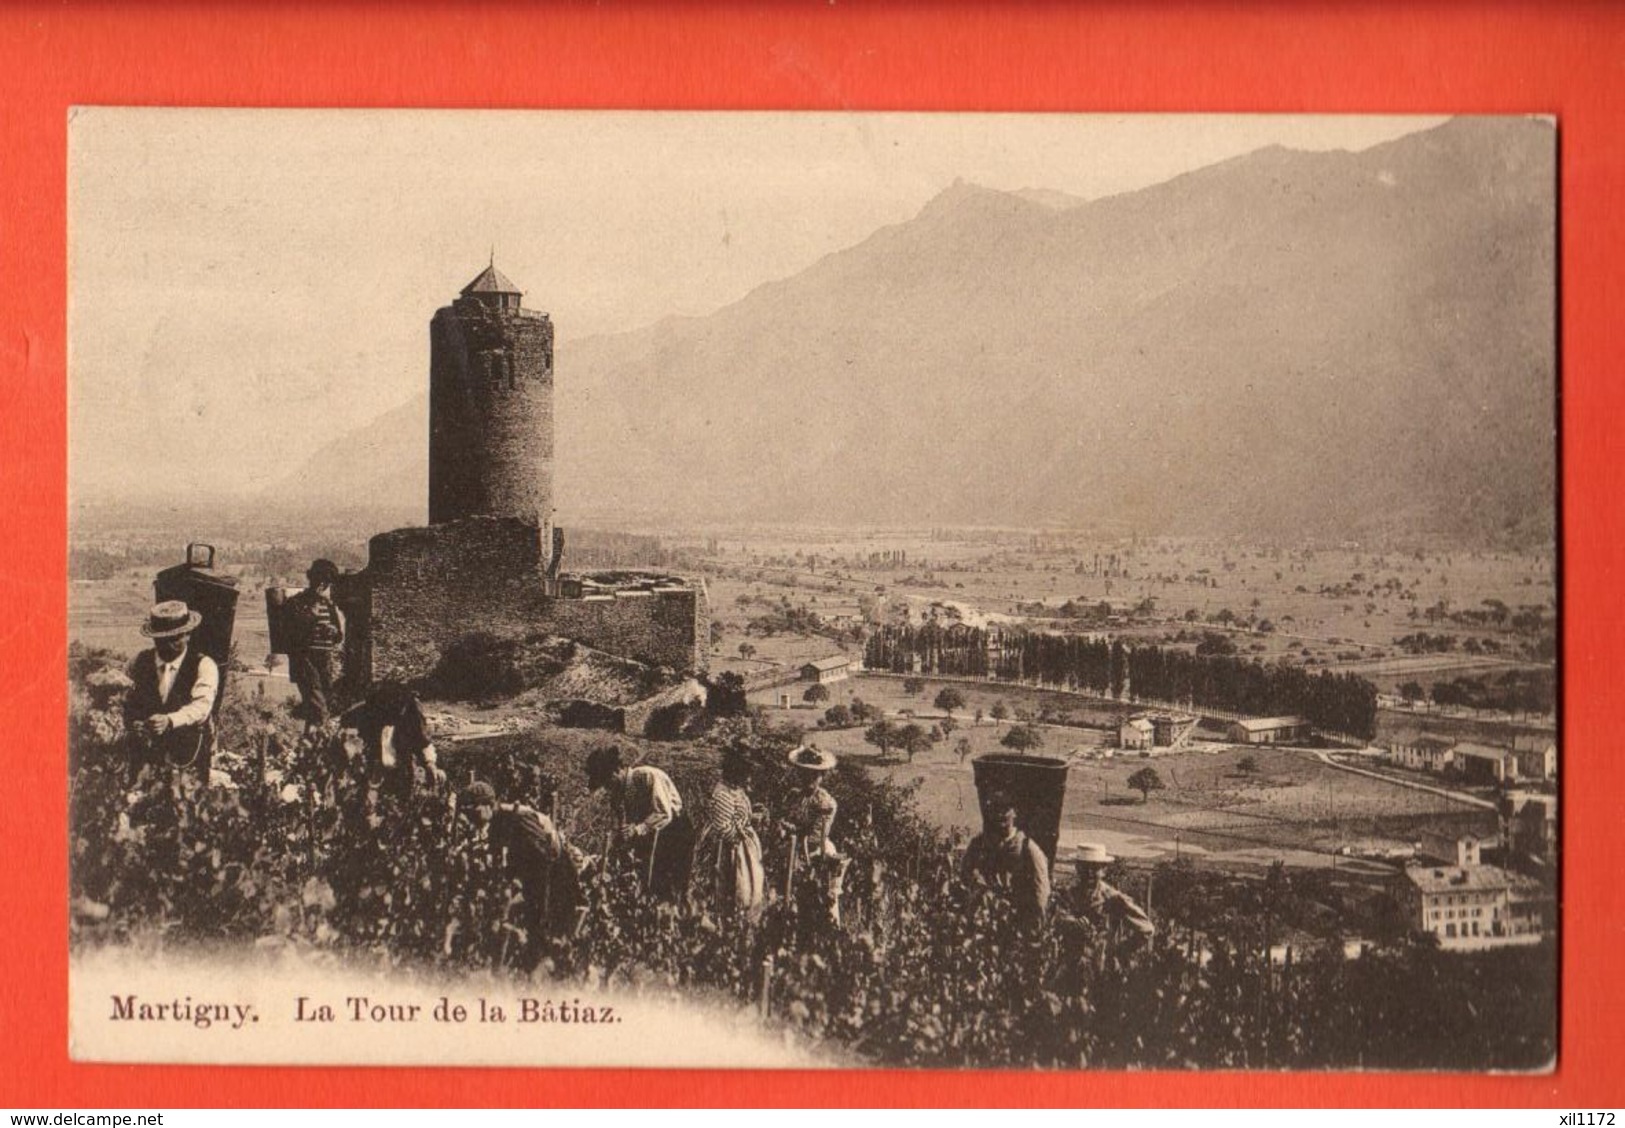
(204, 688)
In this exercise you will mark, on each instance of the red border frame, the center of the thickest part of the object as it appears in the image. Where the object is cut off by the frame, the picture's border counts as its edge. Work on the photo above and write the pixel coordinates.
(1556, 57)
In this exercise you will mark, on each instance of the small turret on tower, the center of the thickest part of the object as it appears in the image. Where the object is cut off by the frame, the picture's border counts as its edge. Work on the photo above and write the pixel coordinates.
(493, 289)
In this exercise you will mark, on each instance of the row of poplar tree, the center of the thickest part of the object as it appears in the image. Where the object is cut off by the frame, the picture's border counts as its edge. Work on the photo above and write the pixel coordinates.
(1343, 703)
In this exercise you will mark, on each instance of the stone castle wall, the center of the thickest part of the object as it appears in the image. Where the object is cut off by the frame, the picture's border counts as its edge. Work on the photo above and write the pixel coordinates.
(425, 589)
(490, 413)
(664, 627)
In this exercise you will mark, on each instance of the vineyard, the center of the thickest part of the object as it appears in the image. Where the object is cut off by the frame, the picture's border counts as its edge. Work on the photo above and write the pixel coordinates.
(1340, 703)
(923, 970)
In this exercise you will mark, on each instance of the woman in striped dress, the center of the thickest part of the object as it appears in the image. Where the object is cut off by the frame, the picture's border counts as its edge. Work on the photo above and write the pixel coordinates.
(728, 856)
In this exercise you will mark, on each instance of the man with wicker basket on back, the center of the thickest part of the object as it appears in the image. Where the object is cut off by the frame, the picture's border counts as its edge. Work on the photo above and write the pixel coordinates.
(315, 628)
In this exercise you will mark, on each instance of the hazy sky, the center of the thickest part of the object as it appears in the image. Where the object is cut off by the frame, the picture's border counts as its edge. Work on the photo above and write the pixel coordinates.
(245, 285)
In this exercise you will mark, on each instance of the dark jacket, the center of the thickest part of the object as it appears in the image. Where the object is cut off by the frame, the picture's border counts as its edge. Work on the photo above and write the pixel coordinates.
(142, 700)
(535, 854)
(397, 709)
(187, 745)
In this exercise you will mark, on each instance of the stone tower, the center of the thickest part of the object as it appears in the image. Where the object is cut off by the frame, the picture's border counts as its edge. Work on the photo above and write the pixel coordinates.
(491, 407)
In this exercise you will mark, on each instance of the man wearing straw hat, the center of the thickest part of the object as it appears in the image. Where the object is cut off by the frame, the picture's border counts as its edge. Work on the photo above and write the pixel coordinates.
(1003, 857)
(171, 698)
(1104, 906)
(654, 832)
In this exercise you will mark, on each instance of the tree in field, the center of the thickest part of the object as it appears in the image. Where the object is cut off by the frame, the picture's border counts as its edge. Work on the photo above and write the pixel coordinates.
(1247, 764)
(1215, 643)
(962, 747)
(882, 734)
(949, 700)
(746, 650)
(979, 715)
(1145, 781)
(863, 712)
(913, 686)
(911, 738)
(816, 694)
(947, 725)
(1023, 739)
(837, 716)
(1412, 692)
(1000, 711)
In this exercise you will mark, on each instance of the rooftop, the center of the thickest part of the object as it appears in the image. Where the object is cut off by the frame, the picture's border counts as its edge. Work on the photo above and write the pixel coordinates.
(833, 663)
(1260, 724)
(491, 281)
(1482, 751)
(1465, 879)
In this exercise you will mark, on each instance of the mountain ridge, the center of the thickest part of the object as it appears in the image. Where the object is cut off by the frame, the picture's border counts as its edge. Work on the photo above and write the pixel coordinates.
(1332, 342)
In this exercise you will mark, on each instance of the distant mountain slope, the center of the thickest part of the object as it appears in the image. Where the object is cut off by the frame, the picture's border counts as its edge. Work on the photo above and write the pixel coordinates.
(1325, 343)
(385, 464)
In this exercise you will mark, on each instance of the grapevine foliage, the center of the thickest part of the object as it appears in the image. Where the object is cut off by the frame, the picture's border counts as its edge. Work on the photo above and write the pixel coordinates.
(924, 970)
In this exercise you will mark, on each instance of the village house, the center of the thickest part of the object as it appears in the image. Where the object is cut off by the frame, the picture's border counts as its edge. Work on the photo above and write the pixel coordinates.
(1423, 754)
(1136, 734)
(1536, 757)
(1452, 849)
(1170, 729)
(1269, 730)
(822, 671)
(1469, 908)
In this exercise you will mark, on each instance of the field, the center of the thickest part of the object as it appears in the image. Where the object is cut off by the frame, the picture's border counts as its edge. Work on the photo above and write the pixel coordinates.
(1293, 808)
(1339, 607)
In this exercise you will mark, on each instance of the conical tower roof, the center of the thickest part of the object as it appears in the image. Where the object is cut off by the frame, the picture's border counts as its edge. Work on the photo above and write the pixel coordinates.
(491, 281)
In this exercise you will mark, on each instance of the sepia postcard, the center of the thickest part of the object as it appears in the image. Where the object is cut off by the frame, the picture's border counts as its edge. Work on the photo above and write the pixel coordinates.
(813, 590)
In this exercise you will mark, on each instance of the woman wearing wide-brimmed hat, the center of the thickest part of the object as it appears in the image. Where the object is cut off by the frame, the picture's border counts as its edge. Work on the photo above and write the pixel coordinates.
(171, 698)
(809, 820)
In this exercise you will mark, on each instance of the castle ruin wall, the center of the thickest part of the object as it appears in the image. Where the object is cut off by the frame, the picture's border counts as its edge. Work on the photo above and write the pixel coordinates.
(430, 587)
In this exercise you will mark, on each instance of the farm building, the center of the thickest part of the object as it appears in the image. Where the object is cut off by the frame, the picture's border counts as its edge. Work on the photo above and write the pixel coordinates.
(1269, 730)
(1474, 907)
(1169, 729)
(826, 670)
(1480, 763)
(1536, 757)
(1452, 849)
(1424, 754)
(1136, 734)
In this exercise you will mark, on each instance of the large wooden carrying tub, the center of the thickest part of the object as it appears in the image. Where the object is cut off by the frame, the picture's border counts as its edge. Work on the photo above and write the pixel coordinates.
(1036, 784)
